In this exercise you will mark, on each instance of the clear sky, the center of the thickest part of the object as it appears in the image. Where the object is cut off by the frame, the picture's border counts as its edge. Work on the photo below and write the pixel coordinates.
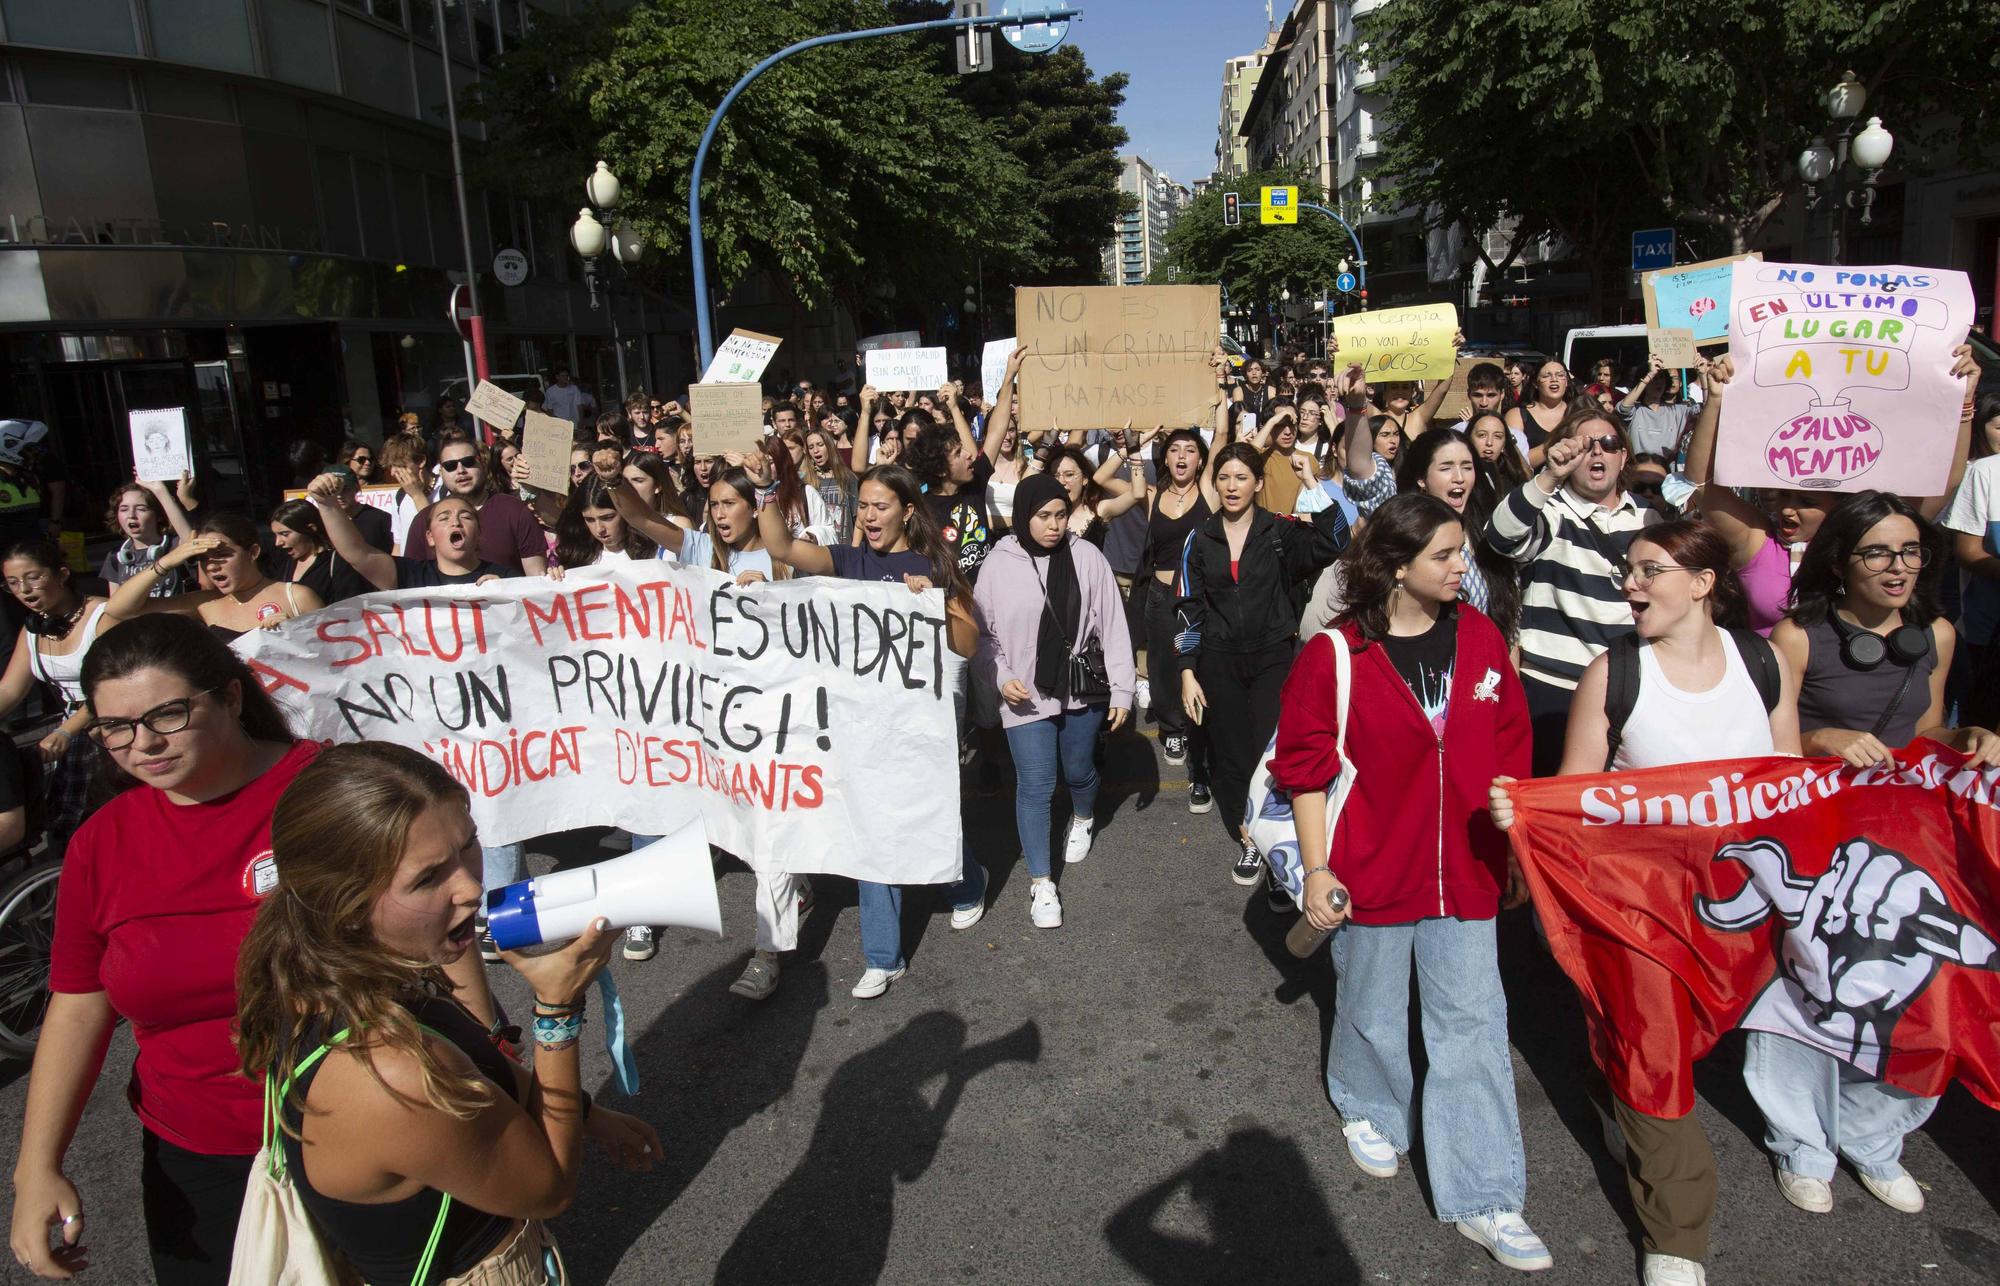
(1173, 50)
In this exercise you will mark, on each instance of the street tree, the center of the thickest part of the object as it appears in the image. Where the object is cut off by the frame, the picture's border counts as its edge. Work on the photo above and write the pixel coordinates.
(1254, 262)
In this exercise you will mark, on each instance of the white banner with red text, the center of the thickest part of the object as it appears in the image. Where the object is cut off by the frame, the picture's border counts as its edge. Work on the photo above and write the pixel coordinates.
(810, 721)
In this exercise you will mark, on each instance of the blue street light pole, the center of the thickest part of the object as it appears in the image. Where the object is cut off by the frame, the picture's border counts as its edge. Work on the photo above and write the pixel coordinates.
(1360, 259)
(704, 324)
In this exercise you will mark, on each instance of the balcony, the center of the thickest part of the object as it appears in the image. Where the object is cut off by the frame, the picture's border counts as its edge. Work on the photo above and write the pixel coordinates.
(1361, 8)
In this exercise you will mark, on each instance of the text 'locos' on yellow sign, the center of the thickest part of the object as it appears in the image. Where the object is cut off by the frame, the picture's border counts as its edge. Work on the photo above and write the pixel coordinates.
(1281, 205)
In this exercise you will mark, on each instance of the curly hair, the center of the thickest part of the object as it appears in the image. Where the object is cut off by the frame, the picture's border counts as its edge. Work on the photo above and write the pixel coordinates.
(118, 495)
(311, 958)
(929, 457)
(1395, 535)
(1821, 578)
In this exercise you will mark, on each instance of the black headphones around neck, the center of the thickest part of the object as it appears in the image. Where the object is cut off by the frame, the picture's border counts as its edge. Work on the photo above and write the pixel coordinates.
(1866, 650)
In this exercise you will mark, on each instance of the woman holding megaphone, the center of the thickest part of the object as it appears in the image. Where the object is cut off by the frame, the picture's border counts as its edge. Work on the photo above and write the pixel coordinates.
(421, 1152)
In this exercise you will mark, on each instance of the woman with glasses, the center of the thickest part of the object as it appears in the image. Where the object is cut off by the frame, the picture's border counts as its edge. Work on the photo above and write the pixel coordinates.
(359, 458)
(154, 941)
(1865, 633)
(242, 597)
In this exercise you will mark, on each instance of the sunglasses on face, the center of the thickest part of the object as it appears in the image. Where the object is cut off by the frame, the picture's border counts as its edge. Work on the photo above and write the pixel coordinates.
(1608, 443)
(459, 462)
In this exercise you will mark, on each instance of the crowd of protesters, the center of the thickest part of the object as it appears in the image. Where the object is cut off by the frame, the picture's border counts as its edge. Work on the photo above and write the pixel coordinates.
(301, 956)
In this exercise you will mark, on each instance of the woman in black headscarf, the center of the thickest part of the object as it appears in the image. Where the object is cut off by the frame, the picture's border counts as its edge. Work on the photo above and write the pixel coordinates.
(1053, 643)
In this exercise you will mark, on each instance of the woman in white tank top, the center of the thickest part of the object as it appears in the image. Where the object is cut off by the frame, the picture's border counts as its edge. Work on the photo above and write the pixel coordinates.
(1696, 702)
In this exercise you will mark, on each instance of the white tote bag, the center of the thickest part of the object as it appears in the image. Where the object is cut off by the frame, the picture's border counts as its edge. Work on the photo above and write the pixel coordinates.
(1268, 817)
(277, 1243)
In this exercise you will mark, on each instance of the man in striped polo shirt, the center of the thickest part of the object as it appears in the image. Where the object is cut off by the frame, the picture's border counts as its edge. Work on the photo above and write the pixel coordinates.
(1568, 528)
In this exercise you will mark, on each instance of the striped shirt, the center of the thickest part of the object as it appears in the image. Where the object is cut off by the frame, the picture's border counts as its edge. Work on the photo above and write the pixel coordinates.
(1572, 556)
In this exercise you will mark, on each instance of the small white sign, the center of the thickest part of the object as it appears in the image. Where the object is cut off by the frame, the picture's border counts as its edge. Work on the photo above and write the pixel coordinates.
(920, 370)
(741, 358)
(511, 267)
(160, 444)
(993, 368)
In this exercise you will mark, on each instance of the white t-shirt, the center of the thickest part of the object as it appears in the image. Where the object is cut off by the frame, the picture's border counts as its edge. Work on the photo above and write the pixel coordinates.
(1975, 511)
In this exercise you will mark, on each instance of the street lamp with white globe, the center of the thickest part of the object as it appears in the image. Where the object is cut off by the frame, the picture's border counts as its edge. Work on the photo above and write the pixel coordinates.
(591, 238)
(1824, 163)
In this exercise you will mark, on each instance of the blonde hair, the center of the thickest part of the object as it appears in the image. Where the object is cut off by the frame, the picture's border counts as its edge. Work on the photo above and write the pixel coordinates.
(312, 958)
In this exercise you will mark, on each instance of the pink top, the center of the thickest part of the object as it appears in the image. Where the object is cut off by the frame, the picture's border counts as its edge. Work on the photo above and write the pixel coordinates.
(1767, 583)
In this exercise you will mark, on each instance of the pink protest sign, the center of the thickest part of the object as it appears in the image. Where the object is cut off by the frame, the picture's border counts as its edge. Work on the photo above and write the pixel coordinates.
(1843, 378)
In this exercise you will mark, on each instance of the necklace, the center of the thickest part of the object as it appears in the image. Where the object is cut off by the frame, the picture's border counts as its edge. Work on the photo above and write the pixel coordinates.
(53, 627)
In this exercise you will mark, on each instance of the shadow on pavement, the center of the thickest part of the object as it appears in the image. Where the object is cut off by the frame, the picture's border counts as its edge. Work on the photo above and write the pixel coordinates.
(1267, 1219)
(829, 1221)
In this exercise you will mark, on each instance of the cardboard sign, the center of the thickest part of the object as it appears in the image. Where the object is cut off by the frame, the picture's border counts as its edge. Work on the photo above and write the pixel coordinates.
(1674, 346)
(993, 367)
(742, 358)
(160, 444)
(383, 498)
(546, 441)
(1694, 296)
(890, 339)
(1104, 355)
(913, 370)
(727, 417)
(1843, 378)
(641, 694)
(1457, 404)
(494, 405)
(1400, 343)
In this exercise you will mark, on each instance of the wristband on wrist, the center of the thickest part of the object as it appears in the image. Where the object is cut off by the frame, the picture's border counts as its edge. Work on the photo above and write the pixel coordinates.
(555, 1033)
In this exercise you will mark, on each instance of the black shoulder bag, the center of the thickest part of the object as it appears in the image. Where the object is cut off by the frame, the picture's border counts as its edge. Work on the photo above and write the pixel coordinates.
(1089, 681)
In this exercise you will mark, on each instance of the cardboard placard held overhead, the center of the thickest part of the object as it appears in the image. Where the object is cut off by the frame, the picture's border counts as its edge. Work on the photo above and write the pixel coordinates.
(993, 367)
(383, 498)
(494, 405)
(1691, 295)
(1400, 343)
(1674, 346)
(741, 358)
(1457, 402)
(1100, 356)
(160, 444)
(727, 417)
(545, 445)
(908, 370)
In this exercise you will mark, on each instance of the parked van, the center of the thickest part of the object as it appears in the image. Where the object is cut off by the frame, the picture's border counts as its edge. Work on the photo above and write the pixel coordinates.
(1587, 345)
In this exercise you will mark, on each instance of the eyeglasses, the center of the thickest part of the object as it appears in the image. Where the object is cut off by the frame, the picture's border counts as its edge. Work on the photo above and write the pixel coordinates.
(1608, 443)
(33, 580)
(459, 462)
(1877, 558)
(1647, 573)
(163, 720)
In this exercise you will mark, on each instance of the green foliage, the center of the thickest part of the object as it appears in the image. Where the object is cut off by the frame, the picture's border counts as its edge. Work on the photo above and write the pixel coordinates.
(1590, 119)
(1254, 261)
(855, 170)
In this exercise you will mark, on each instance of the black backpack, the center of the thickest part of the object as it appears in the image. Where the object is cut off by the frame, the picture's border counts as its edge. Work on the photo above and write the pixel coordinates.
(1621, 690)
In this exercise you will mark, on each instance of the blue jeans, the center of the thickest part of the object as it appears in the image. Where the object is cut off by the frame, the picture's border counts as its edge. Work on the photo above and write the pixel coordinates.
(502, 866)
(1472, 1133)
(1068, 739)
(1814, 1105)
(882, 912)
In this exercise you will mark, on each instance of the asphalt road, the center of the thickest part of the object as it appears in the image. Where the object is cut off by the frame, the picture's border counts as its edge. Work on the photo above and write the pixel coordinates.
(1136, 1096)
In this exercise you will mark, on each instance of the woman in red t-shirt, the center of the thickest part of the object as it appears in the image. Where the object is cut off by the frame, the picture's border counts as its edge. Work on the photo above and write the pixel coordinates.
(158, 890)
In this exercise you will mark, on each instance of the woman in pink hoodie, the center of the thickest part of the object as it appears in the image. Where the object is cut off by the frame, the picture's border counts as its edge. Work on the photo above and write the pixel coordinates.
(1053, 643)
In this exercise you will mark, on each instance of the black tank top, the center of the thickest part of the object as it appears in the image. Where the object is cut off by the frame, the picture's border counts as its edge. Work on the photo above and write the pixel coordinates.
(1165, 536)
(385, 1240)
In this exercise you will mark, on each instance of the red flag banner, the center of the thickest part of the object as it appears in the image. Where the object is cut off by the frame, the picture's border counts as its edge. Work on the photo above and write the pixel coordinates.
(1852, 909)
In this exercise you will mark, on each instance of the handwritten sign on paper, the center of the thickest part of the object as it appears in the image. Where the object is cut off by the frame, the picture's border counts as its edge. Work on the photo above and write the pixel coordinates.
(1674, 346)
(546, 441)
(890, 339)
(727, 417)
(917, 370)
(1401, 343)
(160, 444)
(1694, 296)
(993, 367)
(494, 405)
(741, 358)
(1103, 355)
(1843, 377)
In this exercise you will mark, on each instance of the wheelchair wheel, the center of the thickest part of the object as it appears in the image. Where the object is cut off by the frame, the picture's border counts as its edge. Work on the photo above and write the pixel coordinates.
(27, 931)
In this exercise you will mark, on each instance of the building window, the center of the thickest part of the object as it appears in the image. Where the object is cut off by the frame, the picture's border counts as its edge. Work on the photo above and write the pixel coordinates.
(104, 26)
(51, 82)
(209, 33)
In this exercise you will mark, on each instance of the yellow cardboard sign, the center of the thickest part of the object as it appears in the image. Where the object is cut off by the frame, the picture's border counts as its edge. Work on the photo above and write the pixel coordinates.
(1400, 343)
(1280, 205)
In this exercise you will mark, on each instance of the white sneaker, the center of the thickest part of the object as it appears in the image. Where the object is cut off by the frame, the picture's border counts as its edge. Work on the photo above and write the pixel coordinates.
(1814, 1196)
(876, 981)
(1509, 1240)
(1044, 905)
(1901, 1193)
(964, 917)
(1369, 1150)
(639, 944)
(1142, 697)
(1077, 847)
(1672, 1270)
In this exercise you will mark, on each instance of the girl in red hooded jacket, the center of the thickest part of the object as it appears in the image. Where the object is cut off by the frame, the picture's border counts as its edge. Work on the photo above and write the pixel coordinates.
(1439, 709)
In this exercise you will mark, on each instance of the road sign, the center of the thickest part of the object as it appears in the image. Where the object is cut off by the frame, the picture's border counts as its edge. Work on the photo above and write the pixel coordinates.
(1345, 283)
(1281, 205)
(1231, 214)
(975, 44)
(1652, 249)
(1034, 37)
(511, 267)
(459, 311)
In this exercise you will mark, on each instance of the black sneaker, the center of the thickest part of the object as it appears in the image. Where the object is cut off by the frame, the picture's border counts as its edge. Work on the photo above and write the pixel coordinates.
(1249, 866)
(1199, 800)
(1176, 748)
(1275, 896)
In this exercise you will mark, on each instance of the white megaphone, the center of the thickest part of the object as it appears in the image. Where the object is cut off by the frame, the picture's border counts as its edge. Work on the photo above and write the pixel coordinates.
(668, 882)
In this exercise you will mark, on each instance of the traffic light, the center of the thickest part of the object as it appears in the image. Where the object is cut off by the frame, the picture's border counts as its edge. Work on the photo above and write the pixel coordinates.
(1231, 215)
